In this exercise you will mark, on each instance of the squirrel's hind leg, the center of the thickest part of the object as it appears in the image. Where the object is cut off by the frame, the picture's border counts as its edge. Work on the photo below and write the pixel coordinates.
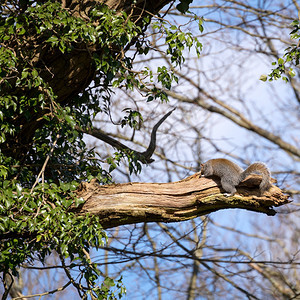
(228, 187)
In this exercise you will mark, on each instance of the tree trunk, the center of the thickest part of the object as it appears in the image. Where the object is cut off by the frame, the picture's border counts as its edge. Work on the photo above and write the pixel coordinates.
(70, 73)
(194, 196)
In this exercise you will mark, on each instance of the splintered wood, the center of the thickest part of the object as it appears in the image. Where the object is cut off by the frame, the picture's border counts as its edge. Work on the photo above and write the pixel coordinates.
(129, 203)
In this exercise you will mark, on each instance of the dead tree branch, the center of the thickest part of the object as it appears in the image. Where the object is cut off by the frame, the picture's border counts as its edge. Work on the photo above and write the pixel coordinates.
(144, 157)
(194, 196)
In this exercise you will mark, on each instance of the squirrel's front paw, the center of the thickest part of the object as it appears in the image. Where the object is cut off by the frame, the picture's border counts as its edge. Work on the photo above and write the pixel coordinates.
(228, 195)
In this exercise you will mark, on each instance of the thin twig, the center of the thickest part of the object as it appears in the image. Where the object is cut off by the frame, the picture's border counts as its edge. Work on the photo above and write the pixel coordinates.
(45, 164)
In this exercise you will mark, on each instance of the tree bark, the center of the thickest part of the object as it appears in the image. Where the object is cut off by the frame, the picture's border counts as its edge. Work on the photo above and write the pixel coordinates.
(129, 203)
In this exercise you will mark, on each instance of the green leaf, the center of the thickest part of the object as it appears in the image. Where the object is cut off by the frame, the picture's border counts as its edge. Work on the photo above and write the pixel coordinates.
(292, 73)
(263, 78)
(109, 282)
(183, 6)
(79, 201)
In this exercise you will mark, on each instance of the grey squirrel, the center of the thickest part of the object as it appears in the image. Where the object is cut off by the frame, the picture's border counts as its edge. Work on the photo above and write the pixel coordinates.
(231, 174)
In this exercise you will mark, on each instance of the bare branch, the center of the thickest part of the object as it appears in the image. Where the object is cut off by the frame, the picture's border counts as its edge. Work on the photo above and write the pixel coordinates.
(144, 157)
(238, 118)
(150, 150)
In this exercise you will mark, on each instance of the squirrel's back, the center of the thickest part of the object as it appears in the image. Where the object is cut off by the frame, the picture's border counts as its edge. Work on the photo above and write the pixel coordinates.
(223, 168)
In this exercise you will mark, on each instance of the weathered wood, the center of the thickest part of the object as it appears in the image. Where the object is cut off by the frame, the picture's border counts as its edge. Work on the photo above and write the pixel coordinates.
(194, 196)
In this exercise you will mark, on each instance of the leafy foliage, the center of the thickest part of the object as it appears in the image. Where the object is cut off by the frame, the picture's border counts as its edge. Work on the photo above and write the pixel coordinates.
(291, 56)
(43, 157)
(177, 41)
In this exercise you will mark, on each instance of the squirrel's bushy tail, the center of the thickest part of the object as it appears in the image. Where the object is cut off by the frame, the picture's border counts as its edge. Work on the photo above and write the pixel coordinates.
(262, 169)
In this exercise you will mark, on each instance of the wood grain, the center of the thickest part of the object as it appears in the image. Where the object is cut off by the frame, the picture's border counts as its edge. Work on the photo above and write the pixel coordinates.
(128, 203)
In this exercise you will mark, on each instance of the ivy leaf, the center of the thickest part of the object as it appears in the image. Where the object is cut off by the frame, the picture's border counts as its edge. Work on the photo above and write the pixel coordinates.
(183, 6)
